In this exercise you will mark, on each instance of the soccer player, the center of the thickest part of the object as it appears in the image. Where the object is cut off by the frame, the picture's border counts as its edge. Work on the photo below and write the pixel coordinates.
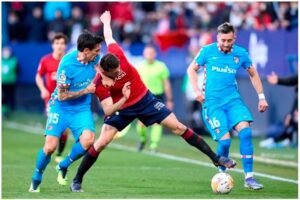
(222, 106)
(155, 75)
(141, 104)
(47, 69)
(70, 107)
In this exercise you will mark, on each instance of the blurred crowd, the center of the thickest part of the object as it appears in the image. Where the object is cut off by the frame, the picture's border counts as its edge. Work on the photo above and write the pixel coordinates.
(139, 21)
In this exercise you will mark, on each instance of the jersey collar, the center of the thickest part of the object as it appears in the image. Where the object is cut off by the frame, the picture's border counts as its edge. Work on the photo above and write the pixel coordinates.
(228, 52)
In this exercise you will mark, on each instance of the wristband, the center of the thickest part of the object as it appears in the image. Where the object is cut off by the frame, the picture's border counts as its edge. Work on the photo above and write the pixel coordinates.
(261, 96)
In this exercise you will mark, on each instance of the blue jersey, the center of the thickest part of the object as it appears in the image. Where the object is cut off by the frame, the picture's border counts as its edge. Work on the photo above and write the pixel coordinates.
(221, 68)
(78, 76)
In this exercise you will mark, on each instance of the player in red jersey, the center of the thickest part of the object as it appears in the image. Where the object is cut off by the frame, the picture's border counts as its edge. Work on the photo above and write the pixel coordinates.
(141, 104)
(47, 69)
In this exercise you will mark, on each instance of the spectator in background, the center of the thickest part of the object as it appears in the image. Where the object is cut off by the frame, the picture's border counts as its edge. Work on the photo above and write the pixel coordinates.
(288, 14)
(58, 25)
(50, 9)
(76, 24)
(9, 78)
(36, 26)
(289, 136)
(5, 34)
(15, 27)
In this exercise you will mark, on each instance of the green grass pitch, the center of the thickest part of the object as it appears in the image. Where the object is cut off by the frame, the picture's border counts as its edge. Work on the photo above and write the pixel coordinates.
(125, 173)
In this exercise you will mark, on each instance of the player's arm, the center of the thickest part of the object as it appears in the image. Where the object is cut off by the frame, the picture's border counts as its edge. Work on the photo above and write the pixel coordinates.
(106, 19)
(192, 74)
(64, 93)
(109, 107)
(40, 83)
(256, 82)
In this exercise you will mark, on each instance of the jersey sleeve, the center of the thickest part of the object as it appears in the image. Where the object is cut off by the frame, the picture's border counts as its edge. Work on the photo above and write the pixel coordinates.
(114, 48)
(246, 61)
(165, 74)
(200, 59)
(41, 68)
(63, 74)
(102, 92)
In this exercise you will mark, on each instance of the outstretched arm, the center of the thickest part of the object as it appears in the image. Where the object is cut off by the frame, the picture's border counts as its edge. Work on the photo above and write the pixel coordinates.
(106, 19)
(256, 82)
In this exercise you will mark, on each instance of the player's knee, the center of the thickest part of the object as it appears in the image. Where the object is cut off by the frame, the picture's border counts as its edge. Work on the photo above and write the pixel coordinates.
(49, 148)
(87, 138)
(179, 129)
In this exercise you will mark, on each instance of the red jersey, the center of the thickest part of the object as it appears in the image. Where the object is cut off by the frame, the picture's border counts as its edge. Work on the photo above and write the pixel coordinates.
(48, 67)
(128, 73)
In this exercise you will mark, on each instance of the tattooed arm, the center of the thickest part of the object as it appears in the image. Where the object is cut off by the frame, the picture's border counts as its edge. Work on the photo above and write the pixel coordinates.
(64, 93)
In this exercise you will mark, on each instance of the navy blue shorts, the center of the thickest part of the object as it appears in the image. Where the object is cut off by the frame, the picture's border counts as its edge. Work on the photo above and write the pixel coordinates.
(149, 110)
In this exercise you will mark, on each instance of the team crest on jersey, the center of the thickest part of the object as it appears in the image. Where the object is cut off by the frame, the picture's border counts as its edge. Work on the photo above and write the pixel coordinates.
(217, 131)
(62, 77)
(236, 60)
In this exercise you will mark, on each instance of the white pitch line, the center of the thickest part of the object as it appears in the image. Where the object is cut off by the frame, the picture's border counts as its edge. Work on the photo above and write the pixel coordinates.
(269, 160)
(39, 131)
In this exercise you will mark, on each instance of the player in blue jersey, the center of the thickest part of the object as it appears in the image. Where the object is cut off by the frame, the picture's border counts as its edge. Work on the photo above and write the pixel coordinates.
(223, 109)
(70, 107)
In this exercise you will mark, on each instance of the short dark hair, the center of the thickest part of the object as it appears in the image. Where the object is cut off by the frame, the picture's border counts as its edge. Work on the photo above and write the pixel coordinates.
(88, 40)
(109, 61)
(225, 28)
(59, 36)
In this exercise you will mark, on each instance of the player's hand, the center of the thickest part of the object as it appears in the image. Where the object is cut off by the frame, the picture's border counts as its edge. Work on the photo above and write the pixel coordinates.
(272, 78)
(105, 17)
(262, 105)
(200, 97)
(126, 90)
(91, 88)
(45, 94)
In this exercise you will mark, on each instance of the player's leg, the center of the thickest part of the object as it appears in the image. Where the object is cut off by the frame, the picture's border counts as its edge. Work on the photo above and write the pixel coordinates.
(43, 158)
(156, 133)
(239, 117)
(107, 134)
(142, 132)
(83, 129)
(54, 127)
(246, 150)
(61, 145)
(223, 148)
(112, 125)
(195, 140)
(215, 120)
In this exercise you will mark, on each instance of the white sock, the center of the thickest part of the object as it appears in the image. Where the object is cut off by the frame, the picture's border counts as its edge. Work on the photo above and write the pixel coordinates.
(248, 175)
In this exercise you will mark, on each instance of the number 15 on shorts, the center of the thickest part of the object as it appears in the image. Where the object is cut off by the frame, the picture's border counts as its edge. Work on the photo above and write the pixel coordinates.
(53, 118)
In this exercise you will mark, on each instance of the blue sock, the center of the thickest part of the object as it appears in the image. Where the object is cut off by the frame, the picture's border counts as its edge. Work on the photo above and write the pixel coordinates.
(41, 163)
(223, 150)
(76, 152)
(246, 149)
